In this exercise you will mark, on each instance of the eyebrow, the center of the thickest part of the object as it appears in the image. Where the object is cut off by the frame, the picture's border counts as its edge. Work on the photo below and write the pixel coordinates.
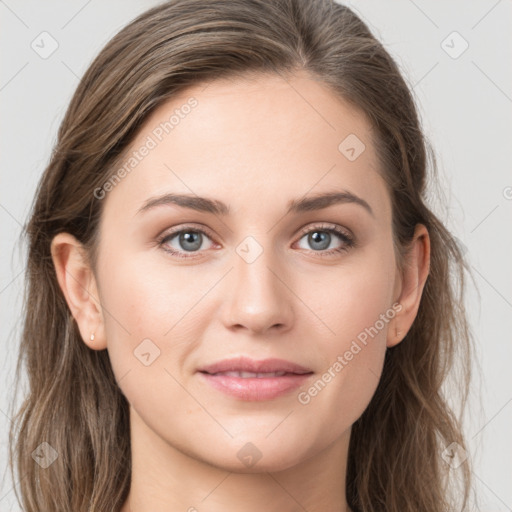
(305, 204)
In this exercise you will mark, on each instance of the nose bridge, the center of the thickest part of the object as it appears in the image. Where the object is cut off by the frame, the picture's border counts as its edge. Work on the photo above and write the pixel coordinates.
(258, 299)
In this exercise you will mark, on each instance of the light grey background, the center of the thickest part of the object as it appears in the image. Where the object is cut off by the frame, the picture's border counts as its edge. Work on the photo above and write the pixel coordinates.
(466, 108)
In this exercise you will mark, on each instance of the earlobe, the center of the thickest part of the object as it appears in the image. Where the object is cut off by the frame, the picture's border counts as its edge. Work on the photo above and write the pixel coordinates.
(411, 284)
(395, 334)
(78, 284)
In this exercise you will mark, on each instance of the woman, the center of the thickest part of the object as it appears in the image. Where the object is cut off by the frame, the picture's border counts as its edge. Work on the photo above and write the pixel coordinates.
(238, 298)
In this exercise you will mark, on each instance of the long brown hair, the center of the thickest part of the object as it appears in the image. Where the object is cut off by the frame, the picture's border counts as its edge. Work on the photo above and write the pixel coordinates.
(74, 404)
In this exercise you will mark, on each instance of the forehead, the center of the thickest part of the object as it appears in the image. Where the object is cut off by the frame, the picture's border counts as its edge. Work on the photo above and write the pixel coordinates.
(239, 140)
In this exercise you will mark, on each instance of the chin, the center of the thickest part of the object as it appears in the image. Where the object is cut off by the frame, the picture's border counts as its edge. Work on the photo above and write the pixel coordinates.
(250, 459)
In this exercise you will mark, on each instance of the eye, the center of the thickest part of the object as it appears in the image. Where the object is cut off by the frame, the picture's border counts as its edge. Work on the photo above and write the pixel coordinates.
(321, 237)
(191, 240)
(185, 240)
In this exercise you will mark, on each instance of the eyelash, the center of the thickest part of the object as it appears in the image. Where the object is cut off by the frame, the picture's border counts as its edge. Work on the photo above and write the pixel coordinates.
(348, 240)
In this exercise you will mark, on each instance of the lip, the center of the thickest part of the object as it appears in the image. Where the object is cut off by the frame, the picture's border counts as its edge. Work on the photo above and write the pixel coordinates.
(255, 388)
(246, 364)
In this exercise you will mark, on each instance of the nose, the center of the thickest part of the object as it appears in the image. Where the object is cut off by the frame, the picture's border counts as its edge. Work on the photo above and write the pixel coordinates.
(258, 298)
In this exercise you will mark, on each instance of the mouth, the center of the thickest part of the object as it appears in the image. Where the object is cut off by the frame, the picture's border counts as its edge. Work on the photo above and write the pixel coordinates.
(252, 380)
(253, 375)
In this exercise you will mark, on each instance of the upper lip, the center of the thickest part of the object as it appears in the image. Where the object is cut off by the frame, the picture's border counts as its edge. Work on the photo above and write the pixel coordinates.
(245, 364)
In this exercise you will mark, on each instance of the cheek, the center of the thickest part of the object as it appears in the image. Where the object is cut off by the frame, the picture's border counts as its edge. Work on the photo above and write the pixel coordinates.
(151, 314)
(353, 361)
(355, 308)
(350, 299)
(149, 299)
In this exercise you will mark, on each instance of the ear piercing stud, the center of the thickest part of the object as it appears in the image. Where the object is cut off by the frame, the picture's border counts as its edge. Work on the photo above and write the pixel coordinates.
(92, 337)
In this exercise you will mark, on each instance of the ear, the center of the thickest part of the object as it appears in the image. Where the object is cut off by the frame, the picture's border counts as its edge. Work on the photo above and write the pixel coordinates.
(409, 285)
(78, 285)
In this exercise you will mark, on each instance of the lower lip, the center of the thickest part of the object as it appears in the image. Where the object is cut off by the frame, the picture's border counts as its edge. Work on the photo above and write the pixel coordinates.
(254, 388)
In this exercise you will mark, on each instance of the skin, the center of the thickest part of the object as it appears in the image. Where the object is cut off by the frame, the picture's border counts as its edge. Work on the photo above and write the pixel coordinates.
(254, 146)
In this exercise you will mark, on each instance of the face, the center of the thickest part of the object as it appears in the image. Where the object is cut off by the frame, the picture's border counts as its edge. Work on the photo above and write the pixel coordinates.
(261, 270)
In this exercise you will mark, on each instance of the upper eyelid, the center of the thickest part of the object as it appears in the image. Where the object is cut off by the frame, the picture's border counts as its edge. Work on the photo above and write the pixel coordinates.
(187, 227)
(326, 227)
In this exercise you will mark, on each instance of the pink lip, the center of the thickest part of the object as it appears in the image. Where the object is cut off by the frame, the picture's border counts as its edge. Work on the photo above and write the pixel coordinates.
(245, 364)
(255, 388)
